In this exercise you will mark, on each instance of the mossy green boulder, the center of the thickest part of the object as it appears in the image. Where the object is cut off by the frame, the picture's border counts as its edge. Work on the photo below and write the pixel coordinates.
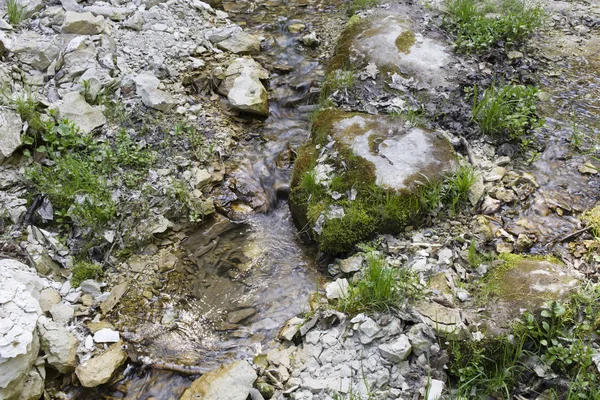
(389, 42)
(362, 174)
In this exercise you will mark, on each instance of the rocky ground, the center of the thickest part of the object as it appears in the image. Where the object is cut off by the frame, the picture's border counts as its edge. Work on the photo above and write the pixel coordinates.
(182, 90)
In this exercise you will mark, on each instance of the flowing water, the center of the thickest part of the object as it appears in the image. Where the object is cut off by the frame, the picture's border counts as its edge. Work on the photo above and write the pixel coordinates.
(571, 116)
(241, 280)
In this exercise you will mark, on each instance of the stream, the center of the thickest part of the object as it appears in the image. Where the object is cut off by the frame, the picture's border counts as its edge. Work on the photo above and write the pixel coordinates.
(242, 279)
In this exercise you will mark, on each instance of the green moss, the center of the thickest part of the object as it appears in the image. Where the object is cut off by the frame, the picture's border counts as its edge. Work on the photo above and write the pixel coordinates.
(83, 271)
(511, 281)
(592, 219)
(340, 235)
(405, 41)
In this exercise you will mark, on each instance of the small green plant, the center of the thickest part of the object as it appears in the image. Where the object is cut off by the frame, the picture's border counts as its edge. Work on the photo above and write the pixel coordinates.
(15, 12)
(508, 111)
(560, 337)
(380, 287)
(84, 270)
(592, 219)
(477, 258)
(479, 26)
(336, 80)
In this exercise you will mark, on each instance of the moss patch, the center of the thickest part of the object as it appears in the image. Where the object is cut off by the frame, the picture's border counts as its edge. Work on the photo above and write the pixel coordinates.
(405, 41)
(526, 282)
(592, 220)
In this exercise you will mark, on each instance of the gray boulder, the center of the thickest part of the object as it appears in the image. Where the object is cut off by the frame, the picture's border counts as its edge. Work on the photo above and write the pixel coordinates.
(76, 109)
(82, 23)
(10, 134)
(35, 50)
(240, 43)
(235, 69)
(249, 95)
(19, 312)
(158, 99)
(228, 382)
(146, 86)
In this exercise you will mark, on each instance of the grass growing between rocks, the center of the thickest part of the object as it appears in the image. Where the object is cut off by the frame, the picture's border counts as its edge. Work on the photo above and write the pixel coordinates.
(554, 351)
(361, 207)
(479, 26)
(508, 111)
(379, 288)
(15, 12)
(338, 79)
(77, 176)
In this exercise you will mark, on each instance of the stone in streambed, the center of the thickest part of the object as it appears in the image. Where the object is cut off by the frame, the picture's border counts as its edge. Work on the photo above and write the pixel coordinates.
(249, 95)
(99, 369)
(228, 382)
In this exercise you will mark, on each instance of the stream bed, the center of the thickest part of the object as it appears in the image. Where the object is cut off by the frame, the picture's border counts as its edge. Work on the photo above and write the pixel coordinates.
(236, 281)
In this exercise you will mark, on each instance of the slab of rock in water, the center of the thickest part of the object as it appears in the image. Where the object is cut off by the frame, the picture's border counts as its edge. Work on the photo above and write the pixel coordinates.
(229, 382)
(99, 369)
(389, 42)
(399, 153)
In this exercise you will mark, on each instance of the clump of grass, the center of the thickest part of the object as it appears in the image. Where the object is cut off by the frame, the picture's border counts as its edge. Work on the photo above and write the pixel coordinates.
(380, 287)
(560, 337)
(481, 25)
(338, 79)
(84, 270)
(508, 111)
(76, 179)
(15, 12)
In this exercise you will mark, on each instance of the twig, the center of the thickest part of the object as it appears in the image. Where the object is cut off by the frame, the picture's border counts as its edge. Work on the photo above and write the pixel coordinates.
(574, 234)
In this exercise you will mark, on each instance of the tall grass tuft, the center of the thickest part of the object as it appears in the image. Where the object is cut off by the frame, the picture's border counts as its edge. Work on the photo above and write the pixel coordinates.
(508, 111)
(15, 12)
(380, 288)
(479, 26)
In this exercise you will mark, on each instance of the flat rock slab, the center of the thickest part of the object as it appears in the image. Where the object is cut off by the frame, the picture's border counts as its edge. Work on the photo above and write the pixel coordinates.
(99, 369)
(399, 153)
(76, 109)
(528, 283)
(390, 43)
(228, 382)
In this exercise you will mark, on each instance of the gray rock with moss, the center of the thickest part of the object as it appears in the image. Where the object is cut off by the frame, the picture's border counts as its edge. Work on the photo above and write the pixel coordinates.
(362, 174)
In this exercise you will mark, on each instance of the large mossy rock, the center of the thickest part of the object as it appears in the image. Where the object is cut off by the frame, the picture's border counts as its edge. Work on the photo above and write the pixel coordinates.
(362, 174)
(389, 42)
(524, 284)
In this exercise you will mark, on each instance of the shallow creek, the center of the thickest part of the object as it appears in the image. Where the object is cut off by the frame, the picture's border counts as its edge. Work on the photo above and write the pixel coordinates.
(243, 279)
